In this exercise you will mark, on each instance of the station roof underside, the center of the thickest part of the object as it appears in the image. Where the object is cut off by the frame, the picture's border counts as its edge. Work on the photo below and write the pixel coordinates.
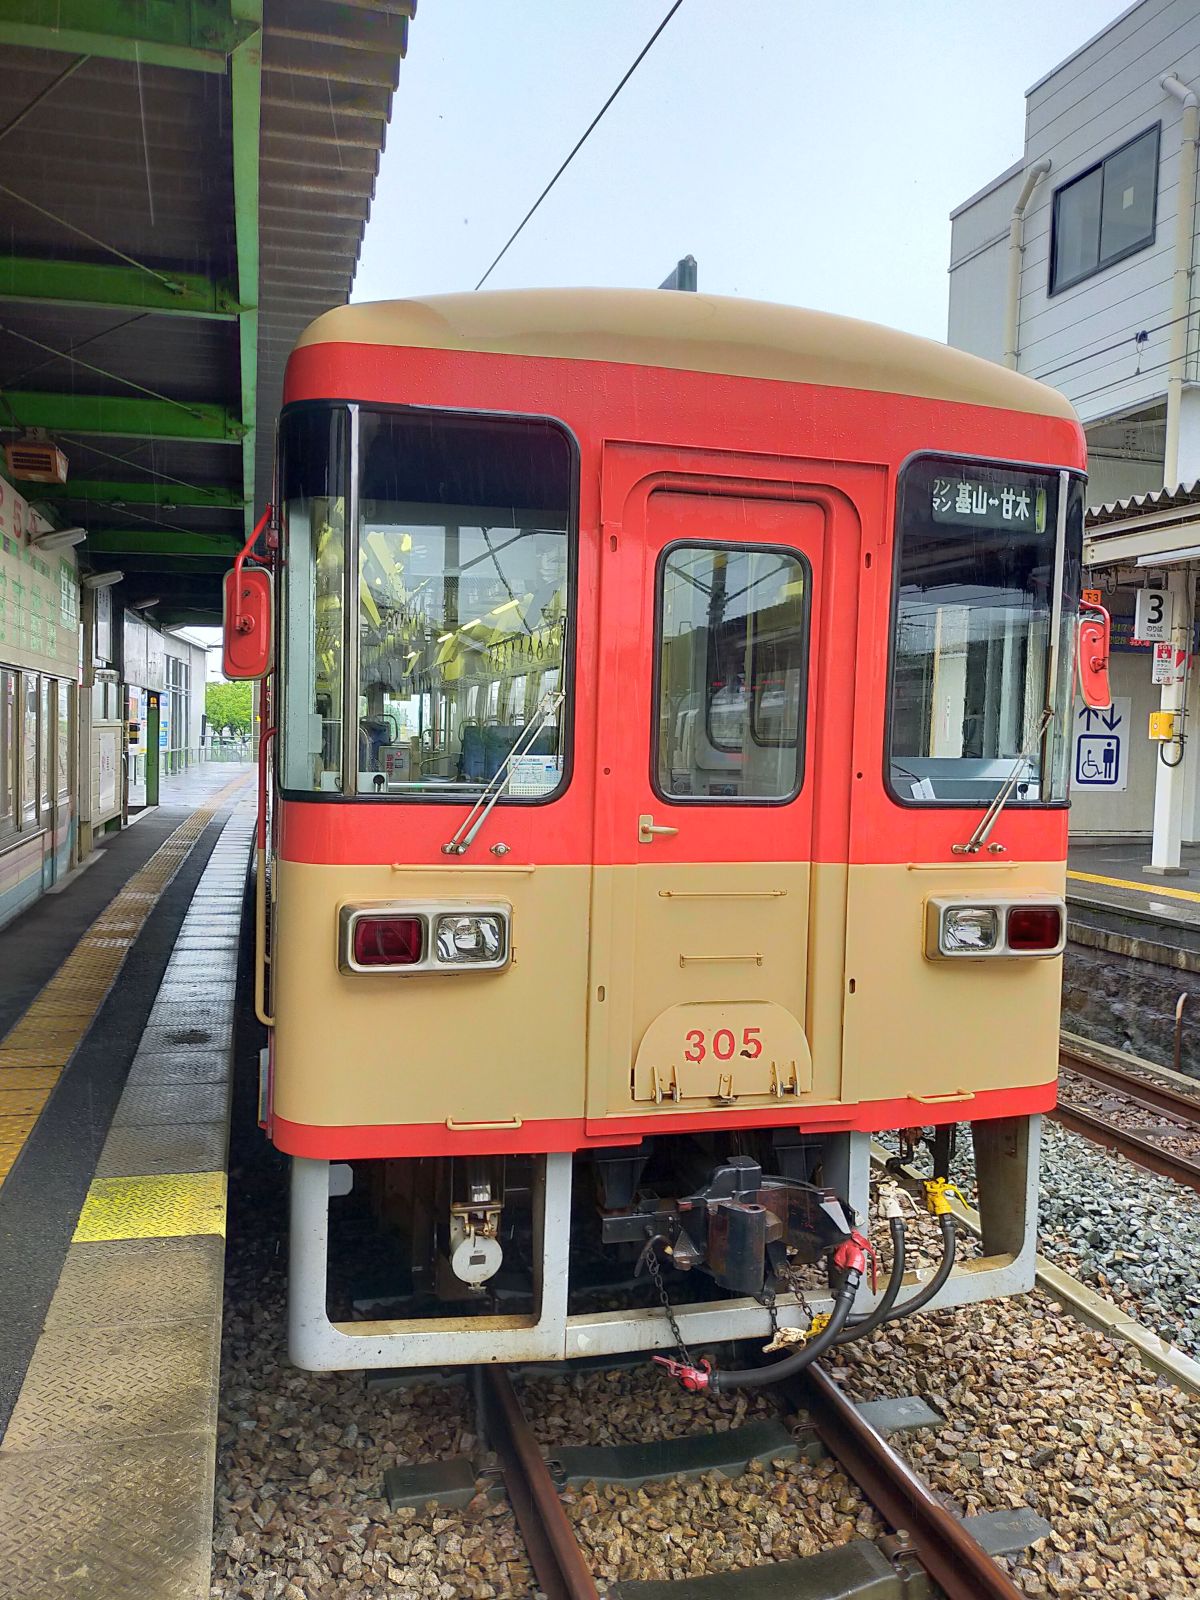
(184, 186)
(1159, 527)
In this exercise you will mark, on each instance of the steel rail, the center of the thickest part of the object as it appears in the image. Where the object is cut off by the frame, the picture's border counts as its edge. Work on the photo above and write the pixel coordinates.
(1142, 1152)
(558, 1562)
(1154, 1095)
(941, 1542)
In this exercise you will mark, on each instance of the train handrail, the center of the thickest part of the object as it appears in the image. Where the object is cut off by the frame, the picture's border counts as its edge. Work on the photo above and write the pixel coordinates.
(260, 888)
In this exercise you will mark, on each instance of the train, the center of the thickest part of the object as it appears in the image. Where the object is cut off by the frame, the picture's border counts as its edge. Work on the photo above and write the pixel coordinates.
(666, 713)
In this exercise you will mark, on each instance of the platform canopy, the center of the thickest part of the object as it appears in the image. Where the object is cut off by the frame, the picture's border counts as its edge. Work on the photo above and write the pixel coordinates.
(184, 185)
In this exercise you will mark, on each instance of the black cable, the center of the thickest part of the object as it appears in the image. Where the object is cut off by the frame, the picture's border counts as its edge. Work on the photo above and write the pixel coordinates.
(938, 1282)
(762, 1377)
(645, 50)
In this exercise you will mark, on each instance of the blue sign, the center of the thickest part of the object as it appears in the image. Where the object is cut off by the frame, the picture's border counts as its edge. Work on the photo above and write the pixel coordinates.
(1100, 753)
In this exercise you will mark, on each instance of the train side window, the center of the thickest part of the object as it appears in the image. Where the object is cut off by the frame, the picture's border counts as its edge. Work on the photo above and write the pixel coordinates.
(731, 665)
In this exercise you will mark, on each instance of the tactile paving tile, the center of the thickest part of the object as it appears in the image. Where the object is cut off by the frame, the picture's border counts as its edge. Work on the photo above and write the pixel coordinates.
(146, 1105)
(118, 1522)
(184, 1064)
(98, 1385)
(139, 1280)
(153, 1206)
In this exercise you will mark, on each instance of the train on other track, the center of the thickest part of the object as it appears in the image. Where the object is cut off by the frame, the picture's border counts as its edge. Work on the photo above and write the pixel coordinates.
(665, 777)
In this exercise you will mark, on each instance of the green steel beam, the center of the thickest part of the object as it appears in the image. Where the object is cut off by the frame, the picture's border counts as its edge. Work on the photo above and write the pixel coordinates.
(162, 542)
(195, 34)
(164, 496)
(78, 283)
(119, 416)
(246, 100)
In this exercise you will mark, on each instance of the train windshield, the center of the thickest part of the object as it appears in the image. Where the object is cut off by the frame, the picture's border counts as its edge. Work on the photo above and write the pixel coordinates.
(976, 613)
(457, 623)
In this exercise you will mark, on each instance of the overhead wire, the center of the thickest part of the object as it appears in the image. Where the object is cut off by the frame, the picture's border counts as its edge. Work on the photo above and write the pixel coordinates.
(580, 142)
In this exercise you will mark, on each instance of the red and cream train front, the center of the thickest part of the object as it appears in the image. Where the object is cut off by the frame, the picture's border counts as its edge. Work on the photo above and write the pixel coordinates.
(672, 700)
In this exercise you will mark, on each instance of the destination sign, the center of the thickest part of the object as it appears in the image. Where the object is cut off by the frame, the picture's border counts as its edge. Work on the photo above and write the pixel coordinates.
(987, 498)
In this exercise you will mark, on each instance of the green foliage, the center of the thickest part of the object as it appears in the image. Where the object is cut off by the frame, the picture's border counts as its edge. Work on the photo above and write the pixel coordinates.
(229, 707)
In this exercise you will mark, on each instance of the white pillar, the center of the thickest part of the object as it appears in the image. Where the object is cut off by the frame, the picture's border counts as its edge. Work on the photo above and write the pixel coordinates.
(1169, 786)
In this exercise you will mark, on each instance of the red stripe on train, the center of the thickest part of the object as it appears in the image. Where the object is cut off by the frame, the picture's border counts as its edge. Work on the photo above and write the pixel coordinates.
(578, 1133)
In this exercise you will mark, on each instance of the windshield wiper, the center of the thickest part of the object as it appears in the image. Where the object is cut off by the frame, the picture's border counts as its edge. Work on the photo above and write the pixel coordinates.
(464, 834)
(988, 820)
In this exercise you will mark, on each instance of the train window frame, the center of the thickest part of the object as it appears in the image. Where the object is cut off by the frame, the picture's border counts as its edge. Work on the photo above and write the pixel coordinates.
(1075, 475)
(794, 553)
(1057, 285)
(349, 793)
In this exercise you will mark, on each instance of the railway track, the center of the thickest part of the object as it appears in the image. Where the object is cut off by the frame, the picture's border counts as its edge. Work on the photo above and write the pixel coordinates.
(924, 1535)
(1124, 1111)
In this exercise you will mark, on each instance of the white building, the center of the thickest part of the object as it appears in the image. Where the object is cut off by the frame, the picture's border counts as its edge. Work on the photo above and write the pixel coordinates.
(1077, 266)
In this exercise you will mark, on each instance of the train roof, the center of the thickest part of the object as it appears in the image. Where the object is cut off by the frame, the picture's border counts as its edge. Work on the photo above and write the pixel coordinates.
(691, 333)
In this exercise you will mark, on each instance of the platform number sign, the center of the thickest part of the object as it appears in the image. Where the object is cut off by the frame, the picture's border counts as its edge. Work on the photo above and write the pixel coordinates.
(1102, 746)
(1152, 619)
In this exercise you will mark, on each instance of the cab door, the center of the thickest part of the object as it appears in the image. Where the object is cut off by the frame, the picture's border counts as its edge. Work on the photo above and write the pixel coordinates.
(711, 597)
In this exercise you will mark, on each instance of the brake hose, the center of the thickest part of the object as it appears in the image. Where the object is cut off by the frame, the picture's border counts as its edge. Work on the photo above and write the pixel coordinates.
(859, 1327)
(762, 1377)
(851, 1258)
(938, 1282)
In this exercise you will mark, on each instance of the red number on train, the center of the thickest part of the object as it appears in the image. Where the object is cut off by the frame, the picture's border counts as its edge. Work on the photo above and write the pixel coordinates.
(723, 1044)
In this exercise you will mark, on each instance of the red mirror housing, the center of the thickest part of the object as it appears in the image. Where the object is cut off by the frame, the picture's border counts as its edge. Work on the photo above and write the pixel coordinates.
(246, 651)
(1092, 652)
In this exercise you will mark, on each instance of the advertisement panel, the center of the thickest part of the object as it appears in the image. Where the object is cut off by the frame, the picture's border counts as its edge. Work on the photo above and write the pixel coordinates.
(39, 593)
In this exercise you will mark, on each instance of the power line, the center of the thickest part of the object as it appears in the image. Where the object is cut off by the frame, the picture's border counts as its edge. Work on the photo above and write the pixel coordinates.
(1117, 344)
(645, 50)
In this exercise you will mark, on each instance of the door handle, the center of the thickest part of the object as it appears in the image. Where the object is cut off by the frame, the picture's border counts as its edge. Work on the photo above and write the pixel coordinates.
(648, 829)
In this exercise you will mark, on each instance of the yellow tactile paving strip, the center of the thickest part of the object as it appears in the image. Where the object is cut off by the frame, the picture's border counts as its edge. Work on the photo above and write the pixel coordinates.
(172, 1206)
(38, 1046)
(1156, 891)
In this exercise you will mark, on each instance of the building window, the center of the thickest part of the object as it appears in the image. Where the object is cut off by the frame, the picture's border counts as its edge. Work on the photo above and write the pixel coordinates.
(8, 752)
(1106, 213)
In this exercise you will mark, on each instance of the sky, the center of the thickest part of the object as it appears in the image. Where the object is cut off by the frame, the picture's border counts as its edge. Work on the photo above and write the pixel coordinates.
(802, 151)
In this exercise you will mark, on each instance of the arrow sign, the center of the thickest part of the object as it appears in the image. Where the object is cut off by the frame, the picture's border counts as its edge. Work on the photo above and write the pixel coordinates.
(1088, 713)
(1111, 718)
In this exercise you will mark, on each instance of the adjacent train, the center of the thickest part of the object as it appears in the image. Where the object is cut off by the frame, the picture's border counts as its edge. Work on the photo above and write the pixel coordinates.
(665, 773)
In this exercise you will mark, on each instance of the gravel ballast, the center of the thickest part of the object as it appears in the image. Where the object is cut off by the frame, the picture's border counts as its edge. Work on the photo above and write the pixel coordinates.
(1128, 1233)
(1043, 1412)
(300, 1513)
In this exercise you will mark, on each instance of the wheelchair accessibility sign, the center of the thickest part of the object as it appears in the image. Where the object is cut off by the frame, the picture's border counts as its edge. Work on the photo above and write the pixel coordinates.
(1102, 746)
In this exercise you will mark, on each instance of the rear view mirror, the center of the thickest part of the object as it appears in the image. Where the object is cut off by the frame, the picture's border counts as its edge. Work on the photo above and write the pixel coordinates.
(1092, 651)
(246, 651)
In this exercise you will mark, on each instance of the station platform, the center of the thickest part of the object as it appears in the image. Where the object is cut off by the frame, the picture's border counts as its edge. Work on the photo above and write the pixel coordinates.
(116, 1030)
(1111, 875)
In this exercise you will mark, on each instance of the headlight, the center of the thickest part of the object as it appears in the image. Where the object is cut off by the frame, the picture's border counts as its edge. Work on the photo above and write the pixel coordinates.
(969, 929)
(420, 938)
(469, 937)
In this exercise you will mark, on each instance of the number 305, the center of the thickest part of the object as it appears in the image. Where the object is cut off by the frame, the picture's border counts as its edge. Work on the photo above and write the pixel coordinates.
(723, 1044)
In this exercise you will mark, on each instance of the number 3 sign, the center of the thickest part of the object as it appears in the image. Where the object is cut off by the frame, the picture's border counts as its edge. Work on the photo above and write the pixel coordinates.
(1152, 620)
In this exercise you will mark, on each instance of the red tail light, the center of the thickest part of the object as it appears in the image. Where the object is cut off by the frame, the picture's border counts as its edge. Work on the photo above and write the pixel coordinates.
(1034, 928)
(387, 941)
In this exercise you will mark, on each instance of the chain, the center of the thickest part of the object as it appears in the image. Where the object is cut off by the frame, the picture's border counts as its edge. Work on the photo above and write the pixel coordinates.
(787, 1274)
(767, 1299)
(656, 1277)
